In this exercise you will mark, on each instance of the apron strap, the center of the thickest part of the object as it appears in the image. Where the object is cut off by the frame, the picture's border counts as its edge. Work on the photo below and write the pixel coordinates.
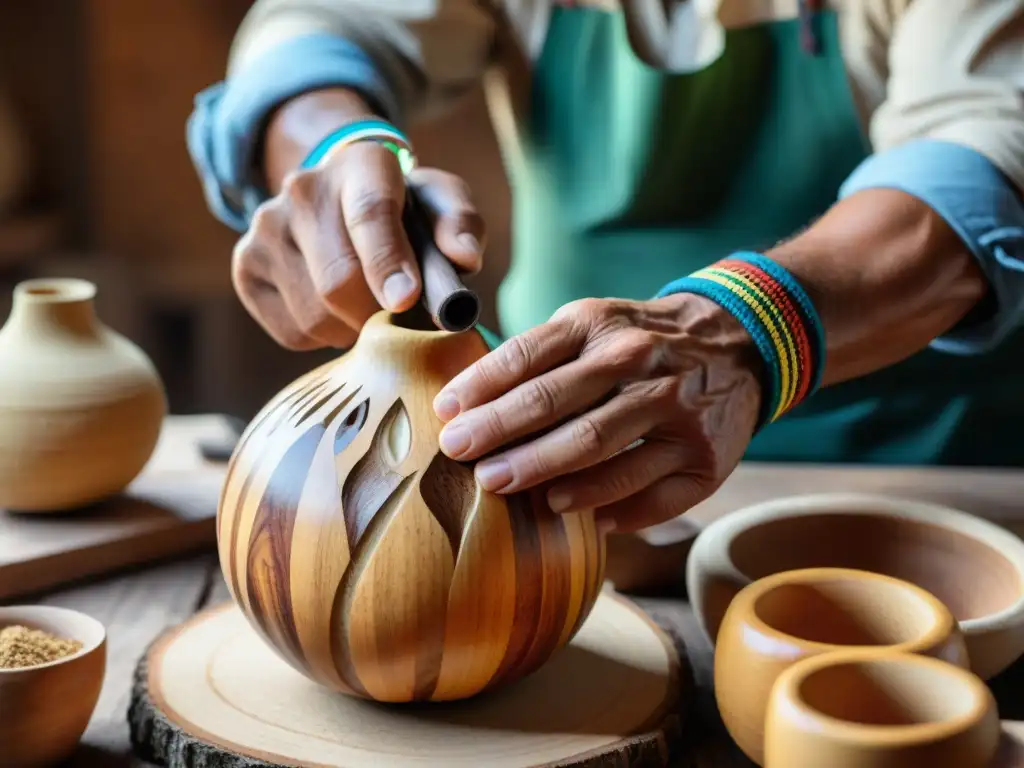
(810, 38)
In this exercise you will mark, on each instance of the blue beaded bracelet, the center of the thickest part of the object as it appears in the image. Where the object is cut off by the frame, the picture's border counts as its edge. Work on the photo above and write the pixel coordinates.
(380, 131)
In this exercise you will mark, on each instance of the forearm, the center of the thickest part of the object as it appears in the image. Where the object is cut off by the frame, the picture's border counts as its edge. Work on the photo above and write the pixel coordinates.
(405, 61)
(887, 275)
(301, 123)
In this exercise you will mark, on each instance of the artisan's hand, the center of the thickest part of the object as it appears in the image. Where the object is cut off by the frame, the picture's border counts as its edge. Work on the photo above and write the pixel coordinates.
(558, 404)
(329, 249)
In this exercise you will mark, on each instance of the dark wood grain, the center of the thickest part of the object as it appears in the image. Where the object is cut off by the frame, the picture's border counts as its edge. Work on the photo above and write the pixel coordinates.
(371, 483)
(273, 416)
(268, 563)
(529, 586)
(553, 608)
(449, 490)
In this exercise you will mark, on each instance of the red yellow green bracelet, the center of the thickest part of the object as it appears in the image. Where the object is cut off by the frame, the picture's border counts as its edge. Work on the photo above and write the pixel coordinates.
(780, 317)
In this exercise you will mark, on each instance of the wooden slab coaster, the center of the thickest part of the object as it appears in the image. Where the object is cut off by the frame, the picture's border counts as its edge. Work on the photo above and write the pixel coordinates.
(211, 694)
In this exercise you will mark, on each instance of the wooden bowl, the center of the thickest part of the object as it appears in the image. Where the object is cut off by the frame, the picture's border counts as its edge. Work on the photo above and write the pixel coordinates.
(374, 564)
(879, 708)
(971, 565)
(45, 709)
(781, 619)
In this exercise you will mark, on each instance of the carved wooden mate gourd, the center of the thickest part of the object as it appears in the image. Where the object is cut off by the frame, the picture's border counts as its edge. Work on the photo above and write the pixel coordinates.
(372, 562)
(376, 565)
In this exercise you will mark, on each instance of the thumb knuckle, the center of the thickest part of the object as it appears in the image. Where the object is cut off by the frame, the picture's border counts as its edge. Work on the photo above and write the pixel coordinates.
(302, 187)
(372, 205)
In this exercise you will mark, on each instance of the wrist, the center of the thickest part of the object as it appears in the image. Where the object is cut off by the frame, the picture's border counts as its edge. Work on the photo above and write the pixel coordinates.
(302, 123)
(778, 315)
(378, 131)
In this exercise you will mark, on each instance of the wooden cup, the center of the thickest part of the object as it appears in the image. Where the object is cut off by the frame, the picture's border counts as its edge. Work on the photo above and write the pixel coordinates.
(785, 618)
(45, 709)
(880, 709)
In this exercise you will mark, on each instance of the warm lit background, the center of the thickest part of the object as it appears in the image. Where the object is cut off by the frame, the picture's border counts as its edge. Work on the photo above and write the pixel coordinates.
(94, 95)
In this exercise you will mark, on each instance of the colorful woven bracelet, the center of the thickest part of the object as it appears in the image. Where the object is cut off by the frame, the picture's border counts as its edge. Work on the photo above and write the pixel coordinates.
(779, 316)
(363, 130)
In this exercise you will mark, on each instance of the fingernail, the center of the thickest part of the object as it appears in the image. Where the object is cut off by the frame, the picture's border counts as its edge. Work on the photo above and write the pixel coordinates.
(446, 406)
(606, 525)
(494, 474)
(559, 501)
(454, 440)
(469, 242)
(397, 289)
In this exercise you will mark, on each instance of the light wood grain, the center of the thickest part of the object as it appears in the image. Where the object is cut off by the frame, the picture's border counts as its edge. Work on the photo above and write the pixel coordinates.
(611, 691)
(989, 493)
(994, 494)
(375, 564)
(780, 620)
(871, 707)
(168, 510)
(134, 608)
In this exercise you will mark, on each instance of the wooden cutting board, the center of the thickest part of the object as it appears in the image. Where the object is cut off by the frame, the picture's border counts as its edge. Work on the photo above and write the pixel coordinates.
(169, 510)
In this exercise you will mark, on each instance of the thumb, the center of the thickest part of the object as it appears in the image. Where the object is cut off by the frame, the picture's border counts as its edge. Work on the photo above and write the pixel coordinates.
(459, 229)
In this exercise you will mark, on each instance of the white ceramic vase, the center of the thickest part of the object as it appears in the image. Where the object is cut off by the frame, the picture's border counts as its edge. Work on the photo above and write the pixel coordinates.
(81, 407)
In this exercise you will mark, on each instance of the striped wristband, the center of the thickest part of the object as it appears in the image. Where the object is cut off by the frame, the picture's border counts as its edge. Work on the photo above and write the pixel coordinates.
(778, 314)
(363, 130)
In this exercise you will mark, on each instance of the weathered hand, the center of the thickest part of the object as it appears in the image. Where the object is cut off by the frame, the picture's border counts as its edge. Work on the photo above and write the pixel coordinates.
(330, 249)
(674, 380)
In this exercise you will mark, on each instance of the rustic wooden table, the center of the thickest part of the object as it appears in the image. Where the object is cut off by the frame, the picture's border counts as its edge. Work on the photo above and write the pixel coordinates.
(137, 606)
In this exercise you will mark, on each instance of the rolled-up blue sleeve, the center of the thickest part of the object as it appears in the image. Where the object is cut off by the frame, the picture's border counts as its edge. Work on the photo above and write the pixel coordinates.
(977, 200)
(224, 127)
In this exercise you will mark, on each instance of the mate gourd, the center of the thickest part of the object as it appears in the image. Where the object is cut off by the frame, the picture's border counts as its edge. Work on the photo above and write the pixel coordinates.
(374, 564)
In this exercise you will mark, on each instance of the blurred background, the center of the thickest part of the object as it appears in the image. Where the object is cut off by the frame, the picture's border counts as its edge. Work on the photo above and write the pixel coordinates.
(96, 182)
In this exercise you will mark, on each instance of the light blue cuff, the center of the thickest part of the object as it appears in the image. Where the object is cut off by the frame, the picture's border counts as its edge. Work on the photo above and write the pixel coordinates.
(981, 205)
(228, 117)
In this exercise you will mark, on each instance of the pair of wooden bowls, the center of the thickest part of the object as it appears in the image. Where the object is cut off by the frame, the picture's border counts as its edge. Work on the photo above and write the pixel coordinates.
(856, 631)
(838, 667)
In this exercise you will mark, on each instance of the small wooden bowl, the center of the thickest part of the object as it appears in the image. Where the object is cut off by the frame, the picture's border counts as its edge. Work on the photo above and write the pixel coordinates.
(878, 708)
(45, 709)
(782, 619)
(973, 566)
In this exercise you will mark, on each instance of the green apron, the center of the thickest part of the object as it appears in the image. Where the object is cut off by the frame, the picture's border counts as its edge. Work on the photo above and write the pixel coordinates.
(633, 177)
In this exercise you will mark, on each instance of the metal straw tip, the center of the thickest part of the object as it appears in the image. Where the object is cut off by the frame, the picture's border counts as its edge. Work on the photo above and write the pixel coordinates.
(459, 311)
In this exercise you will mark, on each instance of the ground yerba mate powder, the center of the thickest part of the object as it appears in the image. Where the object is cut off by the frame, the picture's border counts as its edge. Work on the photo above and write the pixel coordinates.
(23, 647)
